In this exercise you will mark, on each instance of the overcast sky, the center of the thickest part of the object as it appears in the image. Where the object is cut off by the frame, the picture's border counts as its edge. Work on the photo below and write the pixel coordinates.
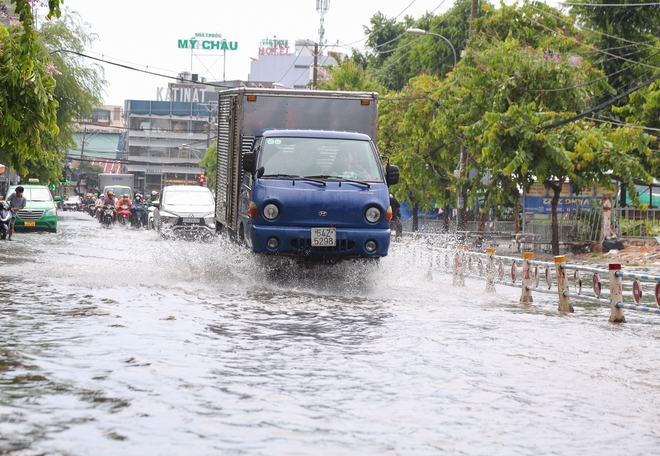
(144, 34)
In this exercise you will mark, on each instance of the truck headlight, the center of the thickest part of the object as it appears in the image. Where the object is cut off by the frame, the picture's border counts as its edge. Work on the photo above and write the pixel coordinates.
(271, 211)
(372, 214)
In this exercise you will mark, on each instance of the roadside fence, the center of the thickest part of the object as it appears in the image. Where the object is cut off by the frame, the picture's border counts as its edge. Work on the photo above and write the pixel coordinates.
(558, 277)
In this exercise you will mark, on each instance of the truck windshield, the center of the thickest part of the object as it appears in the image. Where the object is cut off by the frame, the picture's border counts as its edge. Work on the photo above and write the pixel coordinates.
(329, 158)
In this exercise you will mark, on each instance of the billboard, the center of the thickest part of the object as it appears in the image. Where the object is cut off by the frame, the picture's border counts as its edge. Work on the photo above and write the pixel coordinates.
(537, 200)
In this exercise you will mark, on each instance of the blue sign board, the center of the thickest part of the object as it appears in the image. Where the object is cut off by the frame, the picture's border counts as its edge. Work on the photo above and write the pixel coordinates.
(538, 200)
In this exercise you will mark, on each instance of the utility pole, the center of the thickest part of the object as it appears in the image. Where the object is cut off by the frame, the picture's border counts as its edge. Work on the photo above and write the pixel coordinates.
(82, 144)
(316, 68)
(461, 194)
(322, 7)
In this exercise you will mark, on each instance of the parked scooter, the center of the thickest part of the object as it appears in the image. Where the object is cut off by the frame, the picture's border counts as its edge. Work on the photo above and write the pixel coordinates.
(124, 214)
(5, 219)
(109, 214)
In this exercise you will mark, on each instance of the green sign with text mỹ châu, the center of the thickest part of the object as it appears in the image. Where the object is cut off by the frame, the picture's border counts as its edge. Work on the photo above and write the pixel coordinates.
(220, 45)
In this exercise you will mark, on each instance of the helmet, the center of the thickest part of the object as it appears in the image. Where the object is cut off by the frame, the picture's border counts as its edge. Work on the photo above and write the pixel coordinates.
(125, 196)
(111, 193)
(102, 195)
(154, 193)
(138, 196)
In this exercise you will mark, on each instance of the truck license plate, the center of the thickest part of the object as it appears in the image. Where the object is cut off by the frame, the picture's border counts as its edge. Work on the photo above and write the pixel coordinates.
(28, 223)
(324, 237)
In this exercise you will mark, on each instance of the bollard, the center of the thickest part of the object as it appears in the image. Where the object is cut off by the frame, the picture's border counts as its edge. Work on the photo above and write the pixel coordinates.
(526, 295)
(562, 286)
(616, 294)
(490, 269)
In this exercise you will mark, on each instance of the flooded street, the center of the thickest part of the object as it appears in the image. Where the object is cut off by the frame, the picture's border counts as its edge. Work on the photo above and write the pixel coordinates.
(115, 341)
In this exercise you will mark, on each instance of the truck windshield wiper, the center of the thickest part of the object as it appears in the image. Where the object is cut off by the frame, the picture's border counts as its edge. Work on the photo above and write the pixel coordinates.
(292, 176)
(339, 178)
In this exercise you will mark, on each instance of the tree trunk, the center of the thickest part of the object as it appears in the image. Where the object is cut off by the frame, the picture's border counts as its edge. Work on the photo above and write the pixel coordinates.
(556, 191)
(517, 226)
(415, 219)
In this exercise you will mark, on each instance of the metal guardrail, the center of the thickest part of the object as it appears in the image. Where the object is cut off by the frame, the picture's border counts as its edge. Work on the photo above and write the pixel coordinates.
(462, 263)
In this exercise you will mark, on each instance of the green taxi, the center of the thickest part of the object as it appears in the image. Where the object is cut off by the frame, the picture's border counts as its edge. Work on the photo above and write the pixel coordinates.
(40, 213)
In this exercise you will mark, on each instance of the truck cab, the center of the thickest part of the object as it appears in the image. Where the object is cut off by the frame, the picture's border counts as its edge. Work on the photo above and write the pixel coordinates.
(315, 193)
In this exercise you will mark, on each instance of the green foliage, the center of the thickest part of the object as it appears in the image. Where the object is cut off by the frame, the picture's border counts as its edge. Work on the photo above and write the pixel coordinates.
(616, 30)
(78, 87)
(348, 75)
(89, 172)
(27, 104)
(210, 164)
(395, 56)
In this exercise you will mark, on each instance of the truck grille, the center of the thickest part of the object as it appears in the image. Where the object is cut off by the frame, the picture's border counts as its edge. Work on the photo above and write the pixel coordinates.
(27, 214)
(305, 245)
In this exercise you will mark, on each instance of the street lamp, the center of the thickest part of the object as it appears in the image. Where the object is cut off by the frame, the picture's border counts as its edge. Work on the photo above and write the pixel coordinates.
(416, 31)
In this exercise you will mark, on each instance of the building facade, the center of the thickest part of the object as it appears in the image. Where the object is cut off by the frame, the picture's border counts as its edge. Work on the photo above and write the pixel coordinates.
(291, 67)
(165, 140)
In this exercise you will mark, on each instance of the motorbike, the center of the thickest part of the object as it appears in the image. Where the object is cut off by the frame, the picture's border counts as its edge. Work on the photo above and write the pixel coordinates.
(91, 209)
(138, 216)
(123, 214)
(5, 219)
(108, 215)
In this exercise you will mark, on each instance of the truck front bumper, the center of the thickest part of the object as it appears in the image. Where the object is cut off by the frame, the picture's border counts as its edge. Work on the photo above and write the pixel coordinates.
(296, 241)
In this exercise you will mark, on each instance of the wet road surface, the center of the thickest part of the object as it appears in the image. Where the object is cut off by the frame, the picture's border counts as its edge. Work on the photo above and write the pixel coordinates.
(115, 341)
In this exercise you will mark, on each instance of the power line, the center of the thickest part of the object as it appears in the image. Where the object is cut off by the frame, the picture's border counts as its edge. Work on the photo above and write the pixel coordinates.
(563, 19)
(560, 89)
(611, 4)
(603, 105)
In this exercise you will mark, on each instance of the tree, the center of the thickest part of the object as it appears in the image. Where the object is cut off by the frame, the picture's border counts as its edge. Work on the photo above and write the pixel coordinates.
(210, 164)
(348, 75)
(517, 134)
(28, 109)
(396, 57)
(78, 87)
(89, 172)
(621, 36)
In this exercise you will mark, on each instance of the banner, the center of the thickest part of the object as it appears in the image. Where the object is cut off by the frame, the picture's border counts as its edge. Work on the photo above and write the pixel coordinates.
(538, 199)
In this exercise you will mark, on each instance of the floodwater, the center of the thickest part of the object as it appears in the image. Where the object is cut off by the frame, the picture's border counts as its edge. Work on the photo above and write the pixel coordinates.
(115, 341)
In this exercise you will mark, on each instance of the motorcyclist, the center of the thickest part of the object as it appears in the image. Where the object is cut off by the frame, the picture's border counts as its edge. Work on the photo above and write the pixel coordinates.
(153, 197)
(98, 206)
(138, 211)
(110, 200)
(125, 200)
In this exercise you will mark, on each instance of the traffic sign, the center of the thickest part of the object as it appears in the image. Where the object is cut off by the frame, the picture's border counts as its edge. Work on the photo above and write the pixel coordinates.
(513, 272)
(657, 294)
(637, 291)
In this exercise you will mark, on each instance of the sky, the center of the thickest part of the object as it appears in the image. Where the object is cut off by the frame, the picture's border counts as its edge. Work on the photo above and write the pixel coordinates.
(144, 34)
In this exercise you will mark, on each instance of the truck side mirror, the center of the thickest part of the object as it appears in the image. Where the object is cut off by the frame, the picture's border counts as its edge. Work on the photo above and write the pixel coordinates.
(391, 174)
(248, 163)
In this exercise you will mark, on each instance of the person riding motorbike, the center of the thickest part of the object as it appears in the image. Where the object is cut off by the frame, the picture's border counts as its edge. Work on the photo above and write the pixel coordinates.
(110, 200)
(154, 197)
(124, 200)
(138, 211)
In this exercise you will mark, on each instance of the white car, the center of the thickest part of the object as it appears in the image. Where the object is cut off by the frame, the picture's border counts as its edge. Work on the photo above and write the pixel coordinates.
(71, 203)
(185, 210)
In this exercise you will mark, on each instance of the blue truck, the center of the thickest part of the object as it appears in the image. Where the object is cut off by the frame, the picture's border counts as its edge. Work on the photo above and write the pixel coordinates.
(299, 173)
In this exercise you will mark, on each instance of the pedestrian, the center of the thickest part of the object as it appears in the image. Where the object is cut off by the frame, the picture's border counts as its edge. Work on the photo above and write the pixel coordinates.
(396, 217)
(16, 202)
